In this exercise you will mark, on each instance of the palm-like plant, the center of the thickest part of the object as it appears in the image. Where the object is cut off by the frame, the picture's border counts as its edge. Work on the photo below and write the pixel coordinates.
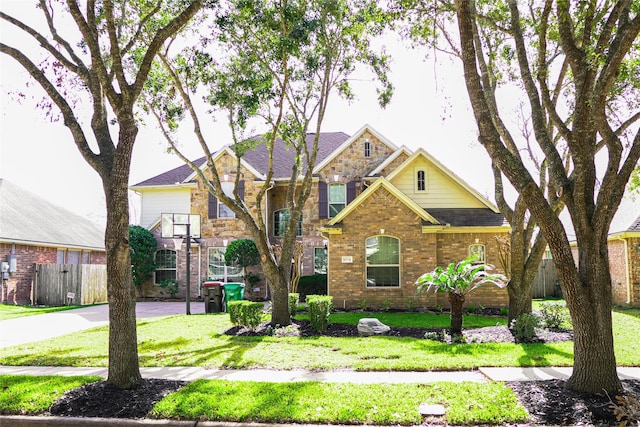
(458, 279)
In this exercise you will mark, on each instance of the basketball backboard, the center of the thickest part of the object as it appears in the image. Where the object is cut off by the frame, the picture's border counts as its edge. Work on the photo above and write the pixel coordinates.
(174, 225)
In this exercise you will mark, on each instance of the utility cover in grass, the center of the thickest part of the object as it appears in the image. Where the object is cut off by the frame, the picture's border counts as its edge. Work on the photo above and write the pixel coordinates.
(427, 410)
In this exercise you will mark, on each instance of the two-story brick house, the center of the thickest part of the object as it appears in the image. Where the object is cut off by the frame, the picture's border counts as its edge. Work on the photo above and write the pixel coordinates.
(378, 217)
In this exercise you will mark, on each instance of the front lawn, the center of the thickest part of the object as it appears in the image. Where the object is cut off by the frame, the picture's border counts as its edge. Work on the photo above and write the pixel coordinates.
(31, 395)
(199, 340)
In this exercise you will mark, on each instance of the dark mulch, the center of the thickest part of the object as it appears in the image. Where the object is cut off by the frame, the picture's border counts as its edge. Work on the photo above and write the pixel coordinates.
(547, 402)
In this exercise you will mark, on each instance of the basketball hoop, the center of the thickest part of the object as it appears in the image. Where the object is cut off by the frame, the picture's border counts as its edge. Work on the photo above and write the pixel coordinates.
(177, 243)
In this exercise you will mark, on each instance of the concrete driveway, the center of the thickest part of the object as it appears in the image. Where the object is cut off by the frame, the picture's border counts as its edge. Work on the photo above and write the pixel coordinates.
(43, 326)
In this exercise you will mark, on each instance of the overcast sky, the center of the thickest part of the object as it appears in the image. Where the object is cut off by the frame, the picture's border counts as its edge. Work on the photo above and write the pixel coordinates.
(430, 109)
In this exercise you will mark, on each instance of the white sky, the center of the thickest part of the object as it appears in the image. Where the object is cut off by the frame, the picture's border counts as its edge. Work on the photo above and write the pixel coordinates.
(430, 109)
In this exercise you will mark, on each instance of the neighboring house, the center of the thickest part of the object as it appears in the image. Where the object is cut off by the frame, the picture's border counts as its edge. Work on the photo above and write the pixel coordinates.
(383, 215)
(35, 231)
(624, 253)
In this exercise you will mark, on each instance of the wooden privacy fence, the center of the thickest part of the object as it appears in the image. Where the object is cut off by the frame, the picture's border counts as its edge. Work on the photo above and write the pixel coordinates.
(546, 283)
(55, 283)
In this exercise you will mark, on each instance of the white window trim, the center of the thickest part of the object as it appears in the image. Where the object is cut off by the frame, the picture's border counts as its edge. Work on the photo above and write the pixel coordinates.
(482, 260)
(367, 149)
(344, 187)
(226, 267)
(399, 265)
(228, 194)
(165, 269)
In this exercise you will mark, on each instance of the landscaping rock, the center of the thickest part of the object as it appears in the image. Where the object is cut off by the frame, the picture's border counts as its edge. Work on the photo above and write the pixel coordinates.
(372, 326)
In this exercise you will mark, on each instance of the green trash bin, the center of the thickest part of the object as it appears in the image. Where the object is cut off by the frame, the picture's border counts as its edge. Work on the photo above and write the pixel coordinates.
(233, 292)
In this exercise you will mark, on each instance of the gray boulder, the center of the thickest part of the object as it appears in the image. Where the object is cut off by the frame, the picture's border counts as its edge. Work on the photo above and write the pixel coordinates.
(372, 326)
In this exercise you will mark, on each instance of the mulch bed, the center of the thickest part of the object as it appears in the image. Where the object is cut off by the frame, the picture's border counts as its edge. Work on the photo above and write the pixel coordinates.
(547, 402)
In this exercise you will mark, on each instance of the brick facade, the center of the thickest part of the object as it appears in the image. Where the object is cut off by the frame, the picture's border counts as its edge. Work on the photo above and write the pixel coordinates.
(382, 214)
(17, 289)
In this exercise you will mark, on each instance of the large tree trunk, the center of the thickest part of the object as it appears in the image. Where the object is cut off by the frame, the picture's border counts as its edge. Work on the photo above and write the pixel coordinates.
(124, 372)
(456, 301)
(280, 314)
(594, 365)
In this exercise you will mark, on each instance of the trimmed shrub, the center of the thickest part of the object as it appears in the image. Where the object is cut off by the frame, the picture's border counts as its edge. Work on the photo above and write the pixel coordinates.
(294, 299)
(319, 307)
(553, 315)
(315, 284)
(245, 313)
(524, 327)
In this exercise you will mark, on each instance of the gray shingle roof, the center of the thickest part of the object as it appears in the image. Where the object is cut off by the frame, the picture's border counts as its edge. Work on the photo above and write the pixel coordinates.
(468, 217)
(27, 218)
(259, 159)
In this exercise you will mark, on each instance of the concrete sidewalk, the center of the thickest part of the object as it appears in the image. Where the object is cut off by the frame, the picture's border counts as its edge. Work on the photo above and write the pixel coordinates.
(342, 376)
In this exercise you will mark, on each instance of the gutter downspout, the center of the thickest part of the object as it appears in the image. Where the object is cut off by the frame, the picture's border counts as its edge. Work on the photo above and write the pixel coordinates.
(626, 269)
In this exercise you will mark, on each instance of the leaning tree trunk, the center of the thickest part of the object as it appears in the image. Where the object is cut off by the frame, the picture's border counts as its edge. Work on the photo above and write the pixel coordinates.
(456, 301)
(124, 372)
(519, 297)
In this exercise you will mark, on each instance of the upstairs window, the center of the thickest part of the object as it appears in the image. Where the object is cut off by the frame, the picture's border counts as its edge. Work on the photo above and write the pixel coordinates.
(421, 180)
(165, 265)
(337, 198)
(367, 149)
(383, 261)
(219, 210)
(281, 221)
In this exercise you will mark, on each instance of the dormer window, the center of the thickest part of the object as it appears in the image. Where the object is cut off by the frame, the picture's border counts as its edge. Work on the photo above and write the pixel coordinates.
(367, 149)
(421, 180)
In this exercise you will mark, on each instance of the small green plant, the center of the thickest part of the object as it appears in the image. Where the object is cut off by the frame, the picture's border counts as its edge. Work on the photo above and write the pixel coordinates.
(245, 313)
(294, 299)
(319, 311)
(386, 305)
(524, 327)
(553, 315)
(439, 308)
(471, 308)
(170, 286)
(504, 311)
(362, 304)
(410, 304)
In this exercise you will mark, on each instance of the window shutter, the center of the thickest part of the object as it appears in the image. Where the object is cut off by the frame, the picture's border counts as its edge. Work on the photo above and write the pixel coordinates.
(323, 200)
(213, 206)
(351, 191)
(241, 189)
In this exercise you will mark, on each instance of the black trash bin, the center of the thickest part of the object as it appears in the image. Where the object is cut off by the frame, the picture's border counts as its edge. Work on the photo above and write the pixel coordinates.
(212, 292)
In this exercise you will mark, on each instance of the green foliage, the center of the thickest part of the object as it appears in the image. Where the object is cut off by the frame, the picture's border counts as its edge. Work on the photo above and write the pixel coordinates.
(315, 284)
(168, 286)
(143, 248)
(294, 299)
(554, 315)
(460, 278)
(362, 304)
(245, 313)
(504, 311)
(243, 253)
(410, 304)
(524, 327)
(386, 305)
(471, 308)
(320, 307)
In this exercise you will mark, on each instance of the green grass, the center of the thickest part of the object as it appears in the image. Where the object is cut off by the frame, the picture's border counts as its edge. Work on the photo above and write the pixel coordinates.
(13, 311)
(30, 395)
(198, 340)
(413, 320)
(336, 403)
(297, 402)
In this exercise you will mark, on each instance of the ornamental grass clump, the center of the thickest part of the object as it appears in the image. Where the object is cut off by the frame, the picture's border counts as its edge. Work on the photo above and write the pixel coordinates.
(459, 279)
(319, 308)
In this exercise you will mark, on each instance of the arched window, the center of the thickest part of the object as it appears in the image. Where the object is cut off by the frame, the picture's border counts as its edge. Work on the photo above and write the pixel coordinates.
(281, 220)
(383, 261)
(165, 265)
(337, 198)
